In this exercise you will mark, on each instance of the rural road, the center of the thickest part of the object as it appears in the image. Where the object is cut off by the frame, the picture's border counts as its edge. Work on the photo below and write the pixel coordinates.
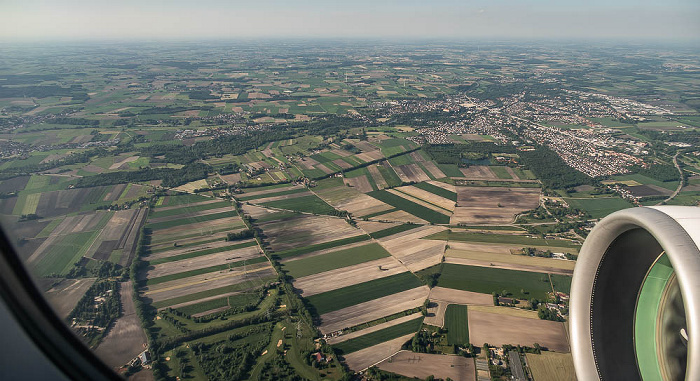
(680, 184)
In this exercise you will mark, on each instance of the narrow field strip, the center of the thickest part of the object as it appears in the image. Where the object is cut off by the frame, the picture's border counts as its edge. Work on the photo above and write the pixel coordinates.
(348, 296)
(326, 245)
(191, 220)
(410, 207)
(434, 189)
(272, 194)
(333, 260)
(157, 213)
(198, 253)
(374, 338)
(393, 230)
(210, 269)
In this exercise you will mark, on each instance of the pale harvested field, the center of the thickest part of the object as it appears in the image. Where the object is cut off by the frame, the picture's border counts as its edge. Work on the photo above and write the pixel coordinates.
(478, 172)
(419, 201)
(126, 338)
(367, 357)
(256, 211)
(370, 155)
(278, 198)
(506, 257)
(201, 262)
(373, 309)
(442, 185)
(500, 329)
(436, 313)
(190, 187)
(354, 202)
(451, 296)
(413, 172)
(188, 214)
(116, 230)
(374, 328)
(360, 183)
(376, 176)
(65, 295)
(374, 226)
(433, 169)
(414, 252)
(324, 251)
(232, 178)
(507, 266)
(550, 366)
(428, 197)
(202, 227)
(422, 365)
(123, 160)
(480, 205)
(341, 152)
(510, 311)
(348, 276)
(203, 282)
(307, 230)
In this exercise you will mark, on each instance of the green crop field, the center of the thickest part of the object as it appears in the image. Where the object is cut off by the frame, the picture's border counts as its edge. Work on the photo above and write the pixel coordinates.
(193, 254)
(670, 185)
(487, 280)
(401, 160)
(363, 292)
(500, 172)
(410, 207)
(211, 292)
(500, 238)
(63, 254)
(309, 204)
(321, 246)
(191, 220)
(598, 207)
(561, 282)
(184, 199)
(437, 190)
(188, 209)
(391, 178)
(457, 324)
(393, 230)
(451, 170)
(334, 260)
(378, 337)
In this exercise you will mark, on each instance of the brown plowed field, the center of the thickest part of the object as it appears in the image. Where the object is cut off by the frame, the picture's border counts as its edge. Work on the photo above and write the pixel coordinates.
(348, 276)
(374, 226)
(492, 205)
(306, 230)
(373, 309)
(65, 295)
(451, 296)
(377, 176)
(126, 338)
(422, 365)
(360, 183)
(419, 202)
(428, 197)
(202, 227)
(499, 329)
(400, 216)
(478, 172)
(521, 262)
(413, 172)
(178, 251)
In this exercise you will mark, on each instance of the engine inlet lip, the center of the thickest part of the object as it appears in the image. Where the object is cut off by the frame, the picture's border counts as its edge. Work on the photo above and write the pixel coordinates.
(677, 230)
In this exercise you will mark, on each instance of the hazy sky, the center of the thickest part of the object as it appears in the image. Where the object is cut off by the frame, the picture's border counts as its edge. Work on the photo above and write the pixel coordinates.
(177, 19)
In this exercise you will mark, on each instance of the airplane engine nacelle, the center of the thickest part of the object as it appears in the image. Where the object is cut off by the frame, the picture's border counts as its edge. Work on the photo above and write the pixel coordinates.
(635, 297)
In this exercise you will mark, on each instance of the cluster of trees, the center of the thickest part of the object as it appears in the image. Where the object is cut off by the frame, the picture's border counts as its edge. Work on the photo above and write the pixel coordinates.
(171, 177)
(552, 170)
(545, 313)
(228, 360)
(99, 307)
(244, 234)
(43, 91)
(661, 172)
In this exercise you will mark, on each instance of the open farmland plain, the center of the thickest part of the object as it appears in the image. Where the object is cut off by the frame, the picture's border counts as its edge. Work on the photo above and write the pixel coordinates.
(499, 329)
(423, 365)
